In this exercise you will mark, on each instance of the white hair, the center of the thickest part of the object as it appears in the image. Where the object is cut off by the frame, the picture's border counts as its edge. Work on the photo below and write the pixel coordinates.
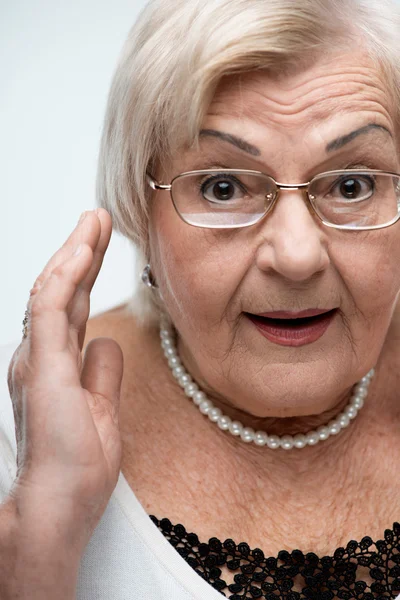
(172, 61)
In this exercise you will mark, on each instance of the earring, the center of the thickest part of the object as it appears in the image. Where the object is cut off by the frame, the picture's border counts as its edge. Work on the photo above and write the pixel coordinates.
(148, 278)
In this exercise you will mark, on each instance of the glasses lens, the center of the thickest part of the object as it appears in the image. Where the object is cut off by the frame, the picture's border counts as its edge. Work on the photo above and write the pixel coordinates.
(356, 200)
(222, 199)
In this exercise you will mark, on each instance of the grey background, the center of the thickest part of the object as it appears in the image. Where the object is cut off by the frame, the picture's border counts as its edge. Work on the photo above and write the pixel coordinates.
(56, 63)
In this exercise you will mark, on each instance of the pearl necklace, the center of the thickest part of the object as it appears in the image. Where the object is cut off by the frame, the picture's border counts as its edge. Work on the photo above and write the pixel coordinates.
(247, 434)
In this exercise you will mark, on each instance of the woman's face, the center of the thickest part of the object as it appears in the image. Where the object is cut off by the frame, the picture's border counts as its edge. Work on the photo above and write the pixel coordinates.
(336, 115)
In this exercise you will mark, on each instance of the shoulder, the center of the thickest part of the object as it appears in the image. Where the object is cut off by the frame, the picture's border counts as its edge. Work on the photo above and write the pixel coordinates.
(123, 325)
(110, 323)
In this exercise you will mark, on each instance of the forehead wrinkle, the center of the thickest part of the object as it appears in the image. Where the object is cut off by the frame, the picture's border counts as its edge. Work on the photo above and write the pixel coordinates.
(312, 80)
(313, 94)
(298, 82)
(314, 116)
(325, 101)
(257, 104)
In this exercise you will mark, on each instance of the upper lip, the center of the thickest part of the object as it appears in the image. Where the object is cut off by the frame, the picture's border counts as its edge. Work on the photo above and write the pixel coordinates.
(283, 314)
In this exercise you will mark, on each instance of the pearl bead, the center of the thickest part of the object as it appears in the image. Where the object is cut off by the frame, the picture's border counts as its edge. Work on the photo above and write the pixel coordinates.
(343, 420)
(273, 442)
(174, 361)
(312, 438)
(358, 402)
(191, 389)
(199, 397)
(287, 442)
(351, 411)
(224, 422)
(260, 438)
(167, 343)
(178, 371)
(169, 352)
(235, 428)
(247, 434)
(184, 379)
(214, 414)
(206, 406)
(299, 440)
(323, 432)
(333, 427)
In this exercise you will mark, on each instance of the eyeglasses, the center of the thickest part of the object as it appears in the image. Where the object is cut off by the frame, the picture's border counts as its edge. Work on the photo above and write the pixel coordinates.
(228, 198)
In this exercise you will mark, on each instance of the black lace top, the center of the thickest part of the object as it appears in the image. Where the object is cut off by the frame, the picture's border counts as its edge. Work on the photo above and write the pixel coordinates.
(314, 578)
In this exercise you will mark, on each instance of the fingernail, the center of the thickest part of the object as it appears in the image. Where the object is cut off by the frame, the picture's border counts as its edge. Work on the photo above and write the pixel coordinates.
(83, 215)
(77, 250)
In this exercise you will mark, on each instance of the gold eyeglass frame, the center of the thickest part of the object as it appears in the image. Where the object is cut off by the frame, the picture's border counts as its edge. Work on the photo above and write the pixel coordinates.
(155, 185)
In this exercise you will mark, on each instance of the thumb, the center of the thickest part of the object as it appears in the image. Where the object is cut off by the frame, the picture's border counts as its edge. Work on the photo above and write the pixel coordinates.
(102, 371)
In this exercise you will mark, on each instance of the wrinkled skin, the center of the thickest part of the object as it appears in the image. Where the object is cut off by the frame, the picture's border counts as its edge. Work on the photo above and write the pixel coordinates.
(289, 260)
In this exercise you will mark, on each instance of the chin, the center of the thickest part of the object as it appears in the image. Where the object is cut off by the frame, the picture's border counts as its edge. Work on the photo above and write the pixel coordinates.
(291, 390)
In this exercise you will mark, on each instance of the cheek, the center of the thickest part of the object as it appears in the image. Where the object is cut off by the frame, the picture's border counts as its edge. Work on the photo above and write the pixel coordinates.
(370, 270)
(198, 270)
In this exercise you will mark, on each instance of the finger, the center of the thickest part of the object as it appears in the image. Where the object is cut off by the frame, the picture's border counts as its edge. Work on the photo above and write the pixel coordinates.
(48, 325)
(87, 231)
(102, 370)
(101, 375)
(99, 251)
(79, 306)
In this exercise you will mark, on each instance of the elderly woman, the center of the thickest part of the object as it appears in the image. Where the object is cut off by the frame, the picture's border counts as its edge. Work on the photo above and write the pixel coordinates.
(234, 429)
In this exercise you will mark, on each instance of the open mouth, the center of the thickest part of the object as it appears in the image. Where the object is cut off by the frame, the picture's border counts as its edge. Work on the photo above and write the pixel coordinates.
(296, 322)
(293, 331)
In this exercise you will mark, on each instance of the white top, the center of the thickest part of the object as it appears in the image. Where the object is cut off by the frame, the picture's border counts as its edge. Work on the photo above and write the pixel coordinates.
(127, 557)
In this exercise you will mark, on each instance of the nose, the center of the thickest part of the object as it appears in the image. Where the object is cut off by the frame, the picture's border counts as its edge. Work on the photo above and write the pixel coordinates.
(293, 242)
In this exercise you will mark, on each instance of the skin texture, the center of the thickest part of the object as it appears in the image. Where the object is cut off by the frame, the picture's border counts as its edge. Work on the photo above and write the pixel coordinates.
(178, 463)
(79, 418)
(288, 261)
(66, 409)
(314, 498)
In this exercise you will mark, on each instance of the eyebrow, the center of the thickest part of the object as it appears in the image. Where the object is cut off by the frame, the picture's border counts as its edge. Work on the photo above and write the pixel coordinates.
(232, 139)
(345, 139)
(254, 151)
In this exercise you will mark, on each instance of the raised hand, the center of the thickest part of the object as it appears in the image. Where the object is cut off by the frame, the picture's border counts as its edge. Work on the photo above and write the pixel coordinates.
(65, 407)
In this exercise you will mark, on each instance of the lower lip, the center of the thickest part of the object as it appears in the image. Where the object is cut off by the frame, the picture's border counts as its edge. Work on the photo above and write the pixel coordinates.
(297, 335)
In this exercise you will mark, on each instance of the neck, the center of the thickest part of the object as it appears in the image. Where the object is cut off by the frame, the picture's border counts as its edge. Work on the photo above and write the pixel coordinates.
(191, 458)
(248, 458)
(277, 426)
(380, 411)
(298, 431)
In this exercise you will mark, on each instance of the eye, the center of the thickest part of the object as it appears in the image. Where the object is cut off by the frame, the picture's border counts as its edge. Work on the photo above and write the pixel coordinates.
(354, 187)
(222, 188)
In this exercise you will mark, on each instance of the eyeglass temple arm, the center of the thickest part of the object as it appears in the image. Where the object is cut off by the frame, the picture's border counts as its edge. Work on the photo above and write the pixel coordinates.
(157, 186)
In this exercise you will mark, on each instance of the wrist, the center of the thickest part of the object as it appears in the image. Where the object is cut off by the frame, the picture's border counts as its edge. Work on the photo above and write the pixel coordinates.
(36, 563)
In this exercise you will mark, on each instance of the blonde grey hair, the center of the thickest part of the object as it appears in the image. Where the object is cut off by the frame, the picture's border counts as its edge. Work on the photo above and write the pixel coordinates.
(172, 61)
